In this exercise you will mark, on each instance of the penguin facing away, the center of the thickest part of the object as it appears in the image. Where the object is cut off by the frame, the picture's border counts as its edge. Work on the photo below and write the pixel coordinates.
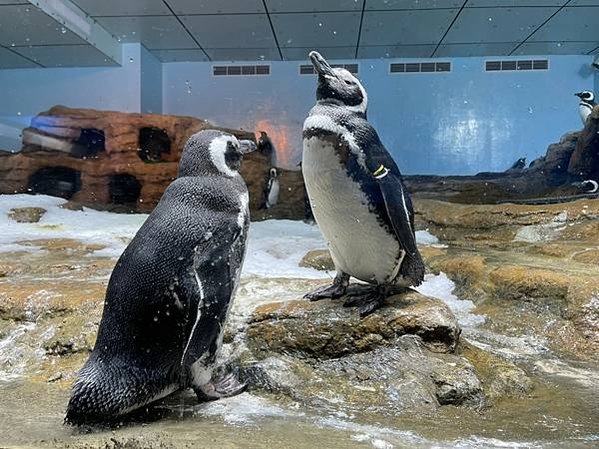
(520, 164)
(271, 190)
(357, 194)
(169, 295)
(586, 105)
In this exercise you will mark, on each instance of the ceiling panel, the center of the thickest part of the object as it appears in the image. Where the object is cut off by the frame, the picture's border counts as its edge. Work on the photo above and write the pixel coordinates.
(27, 25)
(66, 56)
(515, 3)
(465, 50)
(11, 60)
(301, 54)
(313, 5)
(406, 27)
(183, 7)
(231, 31)
(180, 55)
(243, 54)
(337, 29)
(397, 51)
(556, 48)
(13, 2)
(123, 7)
(412, 4)
(156, 32)
(478, 25)
(583, 3)
(571, 24)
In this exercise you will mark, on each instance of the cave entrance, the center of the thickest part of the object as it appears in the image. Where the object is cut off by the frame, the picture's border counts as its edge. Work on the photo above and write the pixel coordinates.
(90, 142)
(62, 182)
(124, 189)
(153, 143)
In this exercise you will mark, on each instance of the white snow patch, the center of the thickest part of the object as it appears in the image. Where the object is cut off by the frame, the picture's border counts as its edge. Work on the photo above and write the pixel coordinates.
(426, 238)
(542, 232)
(243, 409)
(441, 287)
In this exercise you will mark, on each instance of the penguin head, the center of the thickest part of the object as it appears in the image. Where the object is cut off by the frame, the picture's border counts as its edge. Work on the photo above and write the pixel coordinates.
(586, 96)
(273, 173)
(338, 85)
(213, 152)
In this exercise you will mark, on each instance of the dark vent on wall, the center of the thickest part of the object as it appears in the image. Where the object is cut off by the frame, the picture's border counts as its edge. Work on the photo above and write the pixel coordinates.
(225, 70)
(510, 65)
(420, 67)
(308, 69)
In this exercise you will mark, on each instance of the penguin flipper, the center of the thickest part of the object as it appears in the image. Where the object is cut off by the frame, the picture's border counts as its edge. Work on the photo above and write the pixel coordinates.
(213, 277)
(401, 214)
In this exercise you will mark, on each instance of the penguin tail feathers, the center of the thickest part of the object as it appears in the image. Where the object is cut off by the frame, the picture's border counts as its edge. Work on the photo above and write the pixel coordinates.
(413, 269)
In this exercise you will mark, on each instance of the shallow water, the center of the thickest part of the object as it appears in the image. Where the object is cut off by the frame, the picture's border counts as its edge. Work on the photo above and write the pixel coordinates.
(561, 412)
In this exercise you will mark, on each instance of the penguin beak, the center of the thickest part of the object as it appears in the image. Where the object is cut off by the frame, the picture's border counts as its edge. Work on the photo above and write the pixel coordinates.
(578, 94)
(247, 146)
(320, 64)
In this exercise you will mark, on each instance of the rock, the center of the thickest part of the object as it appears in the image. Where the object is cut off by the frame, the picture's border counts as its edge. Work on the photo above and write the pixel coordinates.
(319, 259)
(584, 163)
(26, 214)
(519, 282)
(327, 329)
(124, 161)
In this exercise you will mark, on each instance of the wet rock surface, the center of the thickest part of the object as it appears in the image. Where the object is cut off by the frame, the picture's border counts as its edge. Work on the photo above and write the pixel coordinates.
(26, 214)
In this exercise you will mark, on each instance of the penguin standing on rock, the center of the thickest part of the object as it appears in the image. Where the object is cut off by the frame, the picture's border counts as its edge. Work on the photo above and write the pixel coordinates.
(271, 189)
(358, 198)
(586, 105)
(169, 295)
(519, 165)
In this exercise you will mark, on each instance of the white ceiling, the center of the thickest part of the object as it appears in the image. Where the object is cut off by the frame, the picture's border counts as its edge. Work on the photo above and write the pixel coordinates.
(227, 30)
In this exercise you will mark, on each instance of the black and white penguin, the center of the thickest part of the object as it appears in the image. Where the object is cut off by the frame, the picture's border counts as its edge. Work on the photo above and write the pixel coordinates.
(357, 194)
(520, 164)
(587, 102)
(169, 295)
(266, 147)
(587, 186)
(271, 189)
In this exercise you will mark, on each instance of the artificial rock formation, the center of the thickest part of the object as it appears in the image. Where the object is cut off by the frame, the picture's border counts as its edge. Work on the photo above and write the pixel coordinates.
(122, 161)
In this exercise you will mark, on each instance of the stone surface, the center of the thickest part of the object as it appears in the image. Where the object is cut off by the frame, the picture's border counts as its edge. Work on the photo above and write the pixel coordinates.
(26, 214)
(119, 167)
(327, 329)
(319, 259)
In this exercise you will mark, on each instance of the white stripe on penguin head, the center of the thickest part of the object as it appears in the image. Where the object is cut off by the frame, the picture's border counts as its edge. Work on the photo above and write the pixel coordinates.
(217, 148)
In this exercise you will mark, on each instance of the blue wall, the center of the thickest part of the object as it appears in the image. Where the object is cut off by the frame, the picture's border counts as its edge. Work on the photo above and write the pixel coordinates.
(151, 83)
(462, 122)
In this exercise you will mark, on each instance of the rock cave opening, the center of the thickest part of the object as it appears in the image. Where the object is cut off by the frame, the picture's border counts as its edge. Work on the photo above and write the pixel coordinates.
(153, 143)
(91, 141)
(62, 182)
(124, 189)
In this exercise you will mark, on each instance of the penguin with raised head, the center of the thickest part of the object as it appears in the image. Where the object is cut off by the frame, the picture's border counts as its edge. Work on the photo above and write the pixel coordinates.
(271, 189)
(519, 165)
(357, 194)
(169, 295)
(586, 105)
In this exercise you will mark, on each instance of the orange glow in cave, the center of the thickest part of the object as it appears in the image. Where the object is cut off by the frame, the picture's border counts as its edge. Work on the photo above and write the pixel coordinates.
(279, 137)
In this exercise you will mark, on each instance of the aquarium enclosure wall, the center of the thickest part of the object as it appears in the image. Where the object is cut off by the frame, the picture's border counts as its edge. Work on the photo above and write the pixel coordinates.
(291, 224)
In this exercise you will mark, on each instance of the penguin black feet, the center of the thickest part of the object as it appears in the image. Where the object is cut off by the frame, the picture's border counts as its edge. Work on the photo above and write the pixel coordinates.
(336, 290)
(226, 386)
(366, 302)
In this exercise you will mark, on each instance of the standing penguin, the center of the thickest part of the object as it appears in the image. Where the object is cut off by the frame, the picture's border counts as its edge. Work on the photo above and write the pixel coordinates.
(271, 189)
(169, 295)
(586, 105)
(358, 198)
(519, 165)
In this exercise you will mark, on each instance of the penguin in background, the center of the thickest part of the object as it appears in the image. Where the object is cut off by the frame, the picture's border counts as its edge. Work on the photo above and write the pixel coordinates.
(357, 195)
(586, 105)
(170, 292)
(266, 147)
(519, 165)
(587, 186)
(271, 190)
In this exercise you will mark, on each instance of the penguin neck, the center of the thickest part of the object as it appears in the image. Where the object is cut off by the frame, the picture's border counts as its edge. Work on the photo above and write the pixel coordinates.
(336, 105)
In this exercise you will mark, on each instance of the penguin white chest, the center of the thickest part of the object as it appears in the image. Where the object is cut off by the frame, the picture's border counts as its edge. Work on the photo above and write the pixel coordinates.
(273, 193)
(360, 245)
(584, 110)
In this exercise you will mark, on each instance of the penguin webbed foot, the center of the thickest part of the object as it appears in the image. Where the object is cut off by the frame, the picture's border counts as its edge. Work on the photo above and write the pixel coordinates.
(224, 387)
(366, 302)
(332, 291)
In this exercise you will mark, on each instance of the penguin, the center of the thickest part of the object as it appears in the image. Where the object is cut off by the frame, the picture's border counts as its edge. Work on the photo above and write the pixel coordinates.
(170, 292)
(518, 165)
(587, 102)
(357, 194)
(266, 147)
(271, 189)
(587, 186)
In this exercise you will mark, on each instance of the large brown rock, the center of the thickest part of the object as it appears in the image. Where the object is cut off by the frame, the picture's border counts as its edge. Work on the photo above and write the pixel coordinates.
(123, 161)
